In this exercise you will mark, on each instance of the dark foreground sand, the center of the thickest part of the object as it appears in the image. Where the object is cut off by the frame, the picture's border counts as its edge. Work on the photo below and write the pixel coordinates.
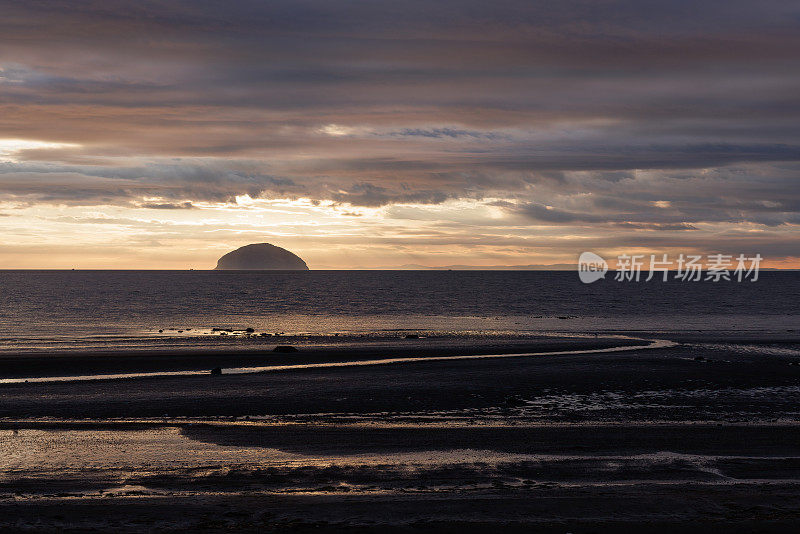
(701, 437)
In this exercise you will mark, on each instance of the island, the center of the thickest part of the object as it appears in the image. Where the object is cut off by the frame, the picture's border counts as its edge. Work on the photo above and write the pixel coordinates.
(261, 257)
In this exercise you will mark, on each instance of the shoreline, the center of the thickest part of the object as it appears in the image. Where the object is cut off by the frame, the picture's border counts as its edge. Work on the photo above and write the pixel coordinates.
(260, 353)
(387, 360)
(33, 365)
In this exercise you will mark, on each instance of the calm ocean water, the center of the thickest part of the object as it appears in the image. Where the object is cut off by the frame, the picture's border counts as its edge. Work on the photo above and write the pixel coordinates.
(70, 308)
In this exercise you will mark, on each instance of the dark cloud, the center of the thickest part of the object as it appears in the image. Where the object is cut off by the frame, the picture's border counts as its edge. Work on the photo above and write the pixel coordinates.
(167, 205)
(657, 226)
(439, 133)
(549, 214)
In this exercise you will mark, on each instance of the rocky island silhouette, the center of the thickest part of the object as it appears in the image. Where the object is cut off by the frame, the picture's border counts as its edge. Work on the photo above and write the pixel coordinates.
(261, 257)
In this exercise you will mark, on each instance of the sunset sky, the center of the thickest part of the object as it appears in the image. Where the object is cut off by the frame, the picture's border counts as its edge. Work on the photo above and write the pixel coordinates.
(162, 134)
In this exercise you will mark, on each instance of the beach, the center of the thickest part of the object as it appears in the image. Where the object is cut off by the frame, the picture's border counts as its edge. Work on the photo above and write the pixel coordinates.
(581, 434)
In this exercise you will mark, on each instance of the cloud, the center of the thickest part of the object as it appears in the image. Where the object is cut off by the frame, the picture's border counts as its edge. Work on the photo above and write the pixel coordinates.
(440, 133)
(657, 226)
(631, 116)
(550, 214)
(167, 205)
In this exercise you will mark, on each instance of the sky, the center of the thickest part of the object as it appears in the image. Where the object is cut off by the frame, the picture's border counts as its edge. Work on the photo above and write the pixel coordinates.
(374, 134)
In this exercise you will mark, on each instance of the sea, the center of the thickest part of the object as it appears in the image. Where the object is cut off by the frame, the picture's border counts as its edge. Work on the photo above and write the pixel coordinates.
(51, 310)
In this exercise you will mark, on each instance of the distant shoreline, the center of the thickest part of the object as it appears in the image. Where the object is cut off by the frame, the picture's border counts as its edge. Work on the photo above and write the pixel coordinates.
(397, 269)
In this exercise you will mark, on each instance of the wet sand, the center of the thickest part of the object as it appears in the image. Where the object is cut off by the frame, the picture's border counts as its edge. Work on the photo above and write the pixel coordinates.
(588, 479)
(699, 437)
(231, 352)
